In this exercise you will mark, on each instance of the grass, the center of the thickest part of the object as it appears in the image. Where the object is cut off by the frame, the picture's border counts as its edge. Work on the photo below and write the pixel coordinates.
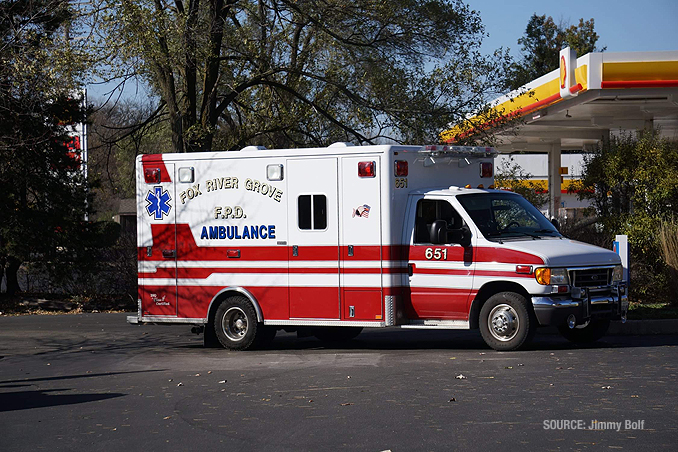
(47, 304)
(652, 311)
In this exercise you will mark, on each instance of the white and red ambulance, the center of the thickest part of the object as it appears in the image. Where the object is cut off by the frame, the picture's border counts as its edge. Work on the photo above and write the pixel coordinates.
(328, 241)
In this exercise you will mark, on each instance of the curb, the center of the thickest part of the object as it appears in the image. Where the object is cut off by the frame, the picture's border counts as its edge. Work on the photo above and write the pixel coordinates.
(643, 327)
(633, 328)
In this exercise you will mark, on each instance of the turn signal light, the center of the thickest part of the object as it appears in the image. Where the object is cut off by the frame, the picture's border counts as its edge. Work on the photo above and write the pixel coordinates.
(543, 276)
(524, 269)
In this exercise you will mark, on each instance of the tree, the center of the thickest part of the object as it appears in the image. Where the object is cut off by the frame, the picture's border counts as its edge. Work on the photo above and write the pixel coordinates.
(541, 45)
(632, 182)
(117, 134)
(44, 197)
(284, 73)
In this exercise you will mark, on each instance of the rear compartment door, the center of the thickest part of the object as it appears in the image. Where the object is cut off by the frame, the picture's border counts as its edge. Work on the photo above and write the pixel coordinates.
(313, 227)
(360, 232)
(158, 243)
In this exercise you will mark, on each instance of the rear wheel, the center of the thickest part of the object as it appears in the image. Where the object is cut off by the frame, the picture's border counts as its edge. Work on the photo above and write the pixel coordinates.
(337, 333)
(506, 322)
(235, 323)
(586, 333)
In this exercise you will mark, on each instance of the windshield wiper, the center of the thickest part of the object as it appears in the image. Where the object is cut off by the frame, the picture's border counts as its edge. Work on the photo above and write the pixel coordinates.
(510, 234)
(529, 234)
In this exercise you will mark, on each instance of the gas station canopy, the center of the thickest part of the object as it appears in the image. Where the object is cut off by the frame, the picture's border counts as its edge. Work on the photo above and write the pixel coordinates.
(582, 102)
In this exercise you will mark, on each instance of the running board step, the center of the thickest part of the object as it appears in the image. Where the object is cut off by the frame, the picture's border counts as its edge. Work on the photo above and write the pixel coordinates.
(438, 324)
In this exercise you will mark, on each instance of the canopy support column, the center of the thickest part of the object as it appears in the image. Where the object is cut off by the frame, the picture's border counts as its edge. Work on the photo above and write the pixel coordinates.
(554, 180)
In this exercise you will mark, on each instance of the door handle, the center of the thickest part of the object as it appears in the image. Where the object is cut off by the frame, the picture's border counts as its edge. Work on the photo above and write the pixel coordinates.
(169, 254)
(410, 269)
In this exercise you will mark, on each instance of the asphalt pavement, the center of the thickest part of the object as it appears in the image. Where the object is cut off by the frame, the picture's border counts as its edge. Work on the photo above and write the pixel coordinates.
(92, 382)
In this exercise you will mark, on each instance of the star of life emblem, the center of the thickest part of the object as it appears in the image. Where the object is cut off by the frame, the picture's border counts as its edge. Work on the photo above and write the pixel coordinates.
(158, 203)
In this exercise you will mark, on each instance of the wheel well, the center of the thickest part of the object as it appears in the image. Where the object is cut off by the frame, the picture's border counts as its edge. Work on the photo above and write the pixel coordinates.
(229, 292)
(487, 291)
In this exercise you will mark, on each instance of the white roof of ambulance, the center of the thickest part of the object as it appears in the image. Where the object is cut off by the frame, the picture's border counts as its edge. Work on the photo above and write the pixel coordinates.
(252, 152)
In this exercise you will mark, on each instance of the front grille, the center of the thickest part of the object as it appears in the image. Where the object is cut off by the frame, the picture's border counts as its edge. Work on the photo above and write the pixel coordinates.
(593, 277)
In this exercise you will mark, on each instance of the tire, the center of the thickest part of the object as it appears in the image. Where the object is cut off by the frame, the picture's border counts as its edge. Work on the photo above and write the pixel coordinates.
(235, 323)
(586, 333)
(337, 333)
(506, 321)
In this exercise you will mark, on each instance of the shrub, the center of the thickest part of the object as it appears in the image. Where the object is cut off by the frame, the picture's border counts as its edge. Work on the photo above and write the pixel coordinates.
(632, 182)
(668, 238)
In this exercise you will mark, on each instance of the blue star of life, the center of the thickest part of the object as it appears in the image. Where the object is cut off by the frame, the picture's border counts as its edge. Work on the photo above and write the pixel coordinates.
(158, 203)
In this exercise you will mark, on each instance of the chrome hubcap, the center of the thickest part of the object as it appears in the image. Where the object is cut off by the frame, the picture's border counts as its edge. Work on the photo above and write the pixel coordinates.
(234, 324)
(504, 322)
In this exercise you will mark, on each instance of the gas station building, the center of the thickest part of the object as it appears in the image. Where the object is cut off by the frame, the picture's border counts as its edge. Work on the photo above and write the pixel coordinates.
(582, 103)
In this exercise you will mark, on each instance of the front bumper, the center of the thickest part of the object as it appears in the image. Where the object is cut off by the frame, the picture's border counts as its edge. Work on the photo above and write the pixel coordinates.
(554, 310)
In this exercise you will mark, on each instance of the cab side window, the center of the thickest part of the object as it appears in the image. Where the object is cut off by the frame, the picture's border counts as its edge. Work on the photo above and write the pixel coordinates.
(430, 210)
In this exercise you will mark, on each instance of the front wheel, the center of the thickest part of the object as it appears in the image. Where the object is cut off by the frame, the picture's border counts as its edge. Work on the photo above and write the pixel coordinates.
(506, 322)
(589, 332)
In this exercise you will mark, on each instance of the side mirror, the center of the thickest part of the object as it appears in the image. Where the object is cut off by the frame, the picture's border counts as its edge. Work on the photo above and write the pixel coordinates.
(461, 236)
(438, 232)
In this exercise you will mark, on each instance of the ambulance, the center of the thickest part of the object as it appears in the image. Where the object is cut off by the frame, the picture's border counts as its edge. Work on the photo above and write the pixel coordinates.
(328, 241)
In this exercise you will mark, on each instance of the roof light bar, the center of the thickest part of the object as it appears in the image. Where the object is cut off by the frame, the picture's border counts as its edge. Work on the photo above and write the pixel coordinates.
(459, 150)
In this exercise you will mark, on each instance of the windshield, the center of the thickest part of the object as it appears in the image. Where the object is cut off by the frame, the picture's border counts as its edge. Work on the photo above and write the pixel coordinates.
(502, 216)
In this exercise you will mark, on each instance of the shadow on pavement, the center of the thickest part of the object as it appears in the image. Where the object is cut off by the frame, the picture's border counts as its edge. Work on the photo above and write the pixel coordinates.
(444, 340)
(71, 377)
(26, 400)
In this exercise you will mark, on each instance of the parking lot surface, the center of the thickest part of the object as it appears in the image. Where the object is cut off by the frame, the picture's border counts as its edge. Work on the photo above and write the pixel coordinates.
(92, 382)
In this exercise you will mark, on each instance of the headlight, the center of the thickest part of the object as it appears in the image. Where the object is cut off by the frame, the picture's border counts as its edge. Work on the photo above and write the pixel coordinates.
(617, 273)
(548, 276)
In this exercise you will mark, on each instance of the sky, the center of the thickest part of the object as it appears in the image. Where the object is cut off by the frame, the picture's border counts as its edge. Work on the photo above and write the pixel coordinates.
(623, 25)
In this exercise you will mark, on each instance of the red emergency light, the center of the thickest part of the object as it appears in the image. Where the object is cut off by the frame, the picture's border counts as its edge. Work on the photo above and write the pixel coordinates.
(152, 175)
(401, 168)
(486, 169)
(366, 169)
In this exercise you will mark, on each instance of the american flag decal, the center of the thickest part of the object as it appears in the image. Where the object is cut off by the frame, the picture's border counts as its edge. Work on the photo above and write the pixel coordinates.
(362, 211)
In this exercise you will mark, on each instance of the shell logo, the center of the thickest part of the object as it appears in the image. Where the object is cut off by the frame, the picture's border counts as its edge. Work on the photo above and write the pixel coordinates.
(563, 71)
